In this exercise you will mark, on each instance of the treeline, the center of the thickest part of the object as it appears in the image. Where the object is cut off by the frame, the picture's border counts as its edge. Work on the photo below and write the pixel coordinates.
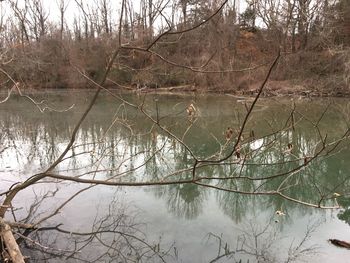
(229, 52)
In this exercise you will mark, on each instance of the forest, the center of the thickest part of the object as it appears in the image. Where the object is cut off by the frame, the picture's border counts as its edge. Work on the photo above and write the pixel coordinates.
(49, 46)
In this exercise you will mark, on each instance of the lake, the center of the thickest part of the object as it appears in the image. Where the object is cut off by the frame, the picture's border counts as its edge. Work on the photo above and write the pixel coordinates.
(120, 141)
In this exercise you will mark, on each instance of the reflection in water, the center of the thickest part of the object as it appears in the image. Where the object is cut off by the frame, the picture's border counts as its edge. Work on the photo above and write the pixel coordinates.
(259, 242)
(118, 143)
(114, 235)
(184, 200)
(344, 215)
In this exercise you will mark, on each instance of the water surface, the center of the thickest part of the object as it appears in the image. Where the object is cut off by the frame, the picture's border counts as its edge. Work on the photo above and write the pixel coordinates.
(181, 222)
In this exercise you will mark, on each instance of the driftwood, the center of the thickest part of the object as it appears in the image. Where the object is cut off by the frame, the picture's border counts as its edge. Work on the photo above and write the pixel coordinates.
(6, 236)
(340, 243)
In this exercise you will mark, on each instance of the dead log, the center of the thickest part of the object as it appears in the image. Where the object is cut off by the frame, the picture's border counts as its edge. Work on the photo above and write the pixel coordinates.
(10, 243)
(340, 243)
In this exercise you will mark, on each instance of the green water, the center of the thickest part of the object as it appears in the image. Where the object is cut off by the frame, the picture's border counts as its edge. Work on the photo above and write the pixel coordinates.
(121, 142)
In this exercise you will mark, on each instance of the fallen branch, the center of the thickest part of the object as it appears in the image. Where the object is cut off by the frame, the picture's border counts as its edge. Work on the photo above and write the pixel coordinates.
(6, 236)
(340, 243)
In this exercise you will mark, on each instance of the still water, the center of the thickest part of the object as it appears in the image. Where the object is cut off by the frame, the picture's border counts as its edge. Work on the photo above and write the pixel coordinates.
(121, 141)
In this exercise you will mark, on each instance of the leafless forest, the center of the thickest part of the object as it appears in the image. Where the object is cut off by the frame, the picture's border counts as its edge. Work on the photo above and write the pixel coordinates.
(46, 47)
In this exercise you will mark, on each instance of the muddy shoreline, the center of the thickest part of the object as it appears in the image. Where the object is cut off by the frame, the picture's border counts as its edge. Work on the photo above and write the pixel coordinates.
(272, 89)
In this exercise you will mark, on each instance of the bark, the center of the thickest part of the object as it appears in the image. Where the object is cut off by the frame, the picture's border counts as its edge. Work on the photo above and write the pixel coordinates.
(10, 243)
(340, 243)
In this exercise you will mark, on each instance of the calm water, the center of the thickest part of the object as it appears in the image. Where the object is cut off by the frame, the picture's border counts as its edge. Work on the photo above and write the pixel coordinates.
(178, 223)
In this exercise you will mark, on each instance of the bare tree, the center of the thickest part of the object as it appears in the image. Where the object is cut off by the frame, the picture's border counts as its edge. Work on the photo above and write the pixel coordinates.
(62, 5)
(105, 15)
(38, 17)
(21, 15)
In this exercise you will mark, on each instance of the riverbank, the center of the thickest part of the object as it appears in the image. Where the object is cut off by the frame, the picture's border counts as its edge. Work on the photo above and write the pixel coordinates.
(238, 70)
(272, 89)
